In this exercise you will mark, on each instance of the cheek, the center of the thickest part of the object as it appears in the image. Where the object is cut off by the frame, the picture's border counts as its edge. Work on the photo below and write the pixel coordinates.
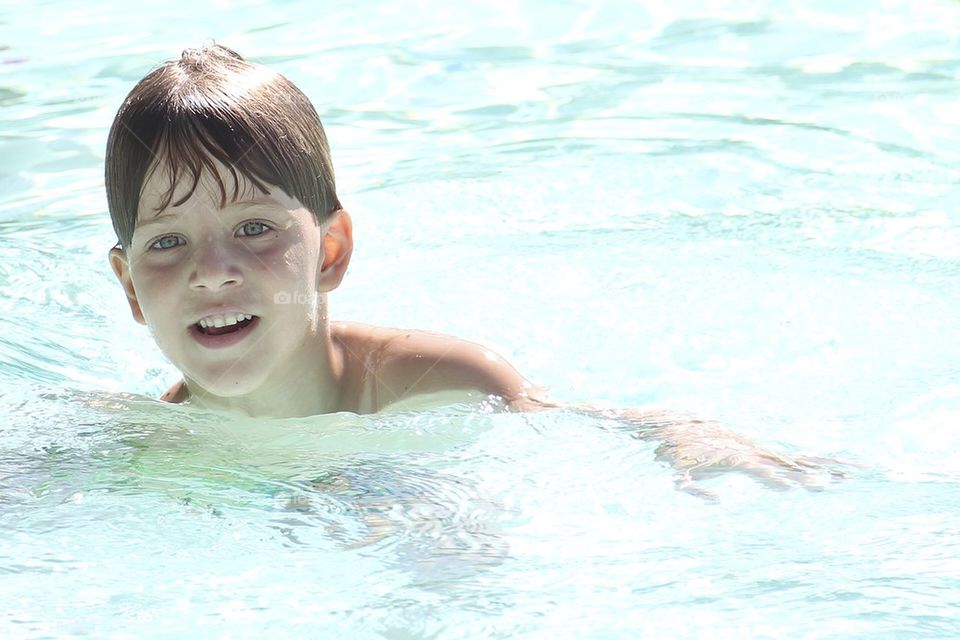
(296, 263)
(155, 293)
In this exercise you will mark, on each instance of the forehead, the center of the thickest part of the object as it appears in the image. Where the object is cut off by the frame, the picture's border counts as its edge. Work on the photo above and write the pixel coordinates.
(215, 188)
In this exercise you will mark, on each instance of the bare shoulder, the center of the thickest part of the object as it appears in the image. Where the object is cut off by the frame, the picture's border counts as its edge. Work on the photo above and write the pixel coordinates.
(404, 363)
(175, 394)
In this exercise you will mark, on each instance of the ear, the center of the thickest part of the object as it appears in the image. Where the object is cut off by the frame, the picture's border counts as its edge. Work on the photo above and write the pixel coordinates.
(337, 248)
(121, 268)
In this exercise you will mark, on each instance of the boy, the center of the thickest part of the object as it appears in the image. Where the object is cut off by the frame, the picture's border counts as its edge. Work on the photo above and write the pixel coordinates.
(221, 190)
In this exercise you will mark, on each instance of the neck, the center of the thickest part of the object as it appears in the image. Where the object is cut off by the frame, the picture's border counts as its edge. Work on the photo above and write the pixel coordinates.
(309, 385)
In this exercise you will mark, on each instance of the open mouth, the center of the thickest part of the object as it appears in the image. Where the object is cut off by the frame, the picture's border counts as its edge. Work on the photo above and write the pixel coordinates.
(213, 330)
(223, 330)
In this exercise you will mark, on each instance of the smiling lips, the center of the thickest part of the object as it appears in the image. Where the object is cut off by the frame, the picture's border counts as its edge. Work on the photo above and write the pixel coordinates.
(223, 329)
(210, 324)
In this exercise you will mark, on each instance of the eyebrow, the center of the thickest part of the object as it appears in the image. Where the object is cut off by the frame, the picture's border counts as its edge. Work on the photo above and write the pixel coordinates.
(160, 217)
(167, 215)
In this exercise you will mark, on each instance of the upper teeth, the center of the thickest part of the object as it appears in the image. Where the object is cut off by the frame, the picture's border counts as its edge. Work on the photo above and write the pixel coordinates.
(223, 320)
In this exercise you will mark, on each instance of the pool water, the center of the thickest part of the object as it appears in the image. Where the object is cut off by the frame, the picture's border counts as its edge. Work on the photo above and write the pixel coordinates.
(746, 209)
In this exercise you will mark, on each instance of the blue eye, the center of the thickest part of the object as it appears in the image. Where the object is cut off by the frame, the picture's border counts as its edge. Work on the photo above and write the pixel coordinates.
(254, 228)
(167, 242)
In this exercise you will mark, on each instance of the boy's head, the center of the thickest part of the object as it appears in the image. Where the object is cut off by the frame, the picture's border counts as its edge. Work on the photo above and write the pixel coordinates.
(221, 191)
(213, 106)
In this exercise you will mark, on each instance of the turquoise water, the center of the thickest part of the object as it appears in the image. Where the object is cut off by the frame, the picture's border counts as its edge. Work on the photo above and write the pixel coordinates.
(743, 209)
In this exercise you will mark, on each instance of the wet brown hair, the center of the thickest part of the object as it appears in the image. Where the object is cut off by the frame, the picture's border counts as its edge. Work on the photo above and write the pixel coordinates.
(209, 105)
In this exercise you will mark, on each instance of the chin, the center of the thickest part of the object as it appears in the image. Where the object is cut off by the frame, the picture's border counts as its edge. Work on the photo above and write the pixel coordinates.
(226, 386)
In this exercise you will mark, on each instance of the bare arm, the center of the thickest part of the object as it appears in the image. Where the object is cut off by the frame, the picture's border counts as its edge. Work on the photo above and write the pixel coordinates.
(417, 362)
(697, 449)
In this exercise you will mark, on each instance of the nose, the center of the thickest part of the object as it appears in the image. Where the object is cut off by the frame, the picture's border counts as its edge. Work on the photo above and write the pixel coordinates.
(214, 266)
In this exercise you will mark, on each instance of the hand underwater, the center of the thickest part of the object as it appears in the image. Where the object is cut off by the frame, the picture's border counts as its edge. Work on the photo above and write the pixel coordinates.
(699, 449)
